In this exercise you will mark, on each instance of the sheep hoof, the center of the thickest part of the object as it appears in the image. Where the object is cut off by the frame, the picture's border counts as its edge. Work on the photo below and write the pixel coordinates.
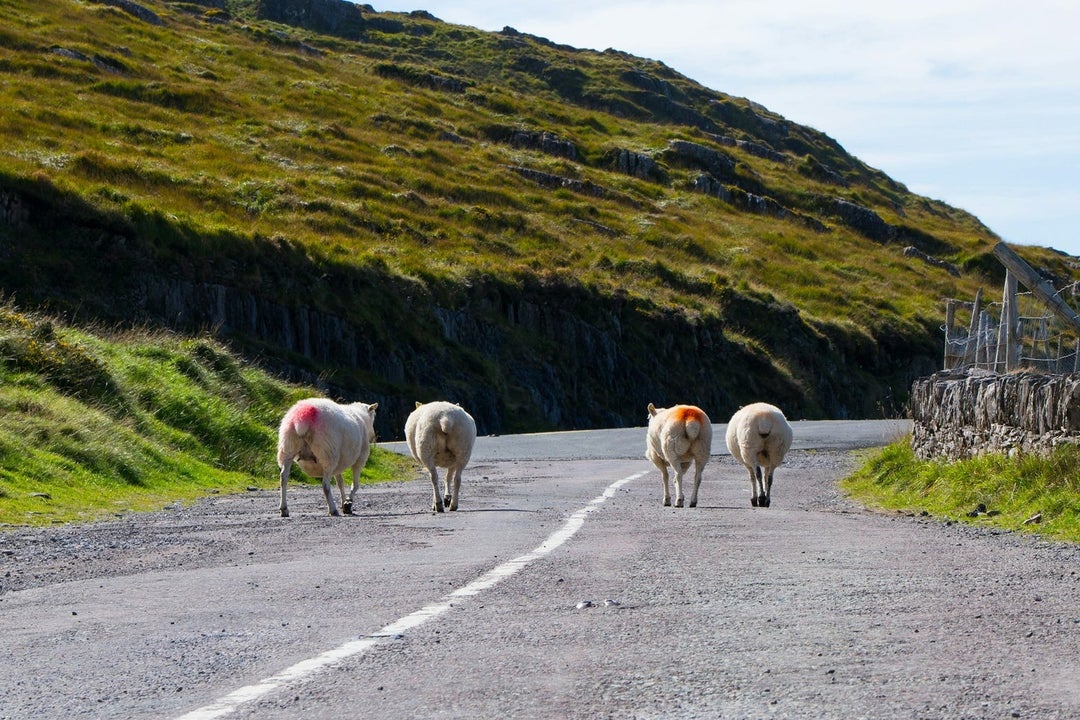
(754, 501)
(447, 500)
(667, 502)
(284, 512)
(436, 508)
(764, 502)
(678, 503)
(347, 508)
(693, 503)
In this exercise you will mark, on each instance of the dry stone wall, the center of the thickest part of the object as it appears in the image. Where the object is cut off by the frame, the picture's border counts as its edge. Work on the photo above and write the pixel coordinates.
(959, 415)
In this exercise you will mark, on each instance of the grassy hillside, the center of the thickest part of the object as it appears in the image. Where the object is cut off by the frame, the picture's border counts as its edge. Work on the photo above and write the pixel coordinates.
(462, 203)
(96, 423)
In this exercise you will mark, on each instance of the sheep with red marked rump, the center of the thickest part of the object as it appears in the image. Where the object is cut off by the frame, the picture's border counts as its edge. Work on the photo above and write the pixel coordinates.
(325, 438)
(678, 436)
(441, 434)
(759, 436)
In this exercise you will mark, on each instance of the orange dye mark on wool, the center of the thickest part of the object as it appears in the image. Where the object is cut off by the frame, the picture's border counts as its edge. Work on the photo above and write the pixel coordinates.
(689, 412)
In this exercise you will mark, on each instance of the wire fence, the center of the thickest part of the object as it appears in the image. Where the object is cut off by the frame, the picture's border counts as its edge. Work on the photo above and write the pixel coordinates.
(1036, 339)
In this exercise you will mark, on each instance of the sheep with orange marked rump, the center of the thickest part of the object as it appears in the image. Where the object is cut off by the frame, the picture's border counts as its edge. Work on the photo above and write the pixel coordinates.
(759, 436)
(325, 438)
(678, 436)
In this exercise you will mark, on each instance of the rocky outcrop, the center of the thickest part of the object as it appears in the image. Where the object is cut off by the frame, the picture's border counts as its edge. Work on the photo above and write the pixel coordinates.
(751, 202)
(135, 10)
(752, 148)
(330, 17)
(422, 77)
(914, 252)
(639, 165)
(716, 162)
(861, 219)
(548, 180)
(539, 140)
(960, 415)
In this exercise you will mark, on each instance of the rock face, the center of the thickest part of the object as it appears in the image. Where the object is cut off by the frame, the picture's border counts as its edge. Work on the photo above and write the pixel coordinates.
(332, 17)
(527, 354)
(960, 415)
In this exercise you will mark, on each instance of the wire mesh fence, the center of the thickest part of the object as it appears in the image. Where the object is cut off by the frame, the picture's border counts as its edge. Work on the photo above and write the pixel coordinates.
(1000, 338)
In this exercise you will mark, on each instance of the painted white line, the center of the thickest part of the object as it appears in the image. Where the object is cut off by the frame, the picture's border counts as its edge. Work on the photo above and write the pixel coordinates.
(231, 702)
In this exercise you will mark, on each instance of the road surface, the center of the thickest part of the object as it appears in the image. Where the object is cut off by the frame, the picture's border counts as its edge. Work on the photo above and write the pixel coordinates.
(561, 589)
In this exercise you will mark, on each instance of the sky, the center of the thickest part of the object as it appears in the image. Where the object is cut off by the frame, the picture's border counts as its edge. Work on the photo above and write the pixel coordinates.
(972, 102)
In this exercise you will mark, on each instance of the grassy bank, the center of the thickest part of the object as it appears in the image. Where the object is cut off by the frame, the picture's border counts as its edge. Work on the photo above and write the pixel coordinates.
(990, 491)
(98, 423)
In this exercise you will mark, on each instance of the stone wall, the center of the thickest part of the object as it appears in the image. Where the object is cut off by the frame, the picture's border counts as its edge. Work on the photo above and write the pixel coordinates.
(959, 415)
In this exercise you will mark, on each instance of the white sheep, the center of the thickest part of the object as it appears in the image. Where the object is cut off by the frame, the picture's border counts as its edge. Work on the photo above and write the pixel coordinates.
(324, 438)
(441, 434)
(759, 436)
(677, 436)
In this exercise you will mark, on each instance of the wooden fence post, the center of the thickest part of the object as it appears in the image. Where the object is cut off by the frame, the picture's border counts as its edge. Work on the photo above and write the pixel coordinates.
(1034, 282)
(972, 346)
(1005, 359)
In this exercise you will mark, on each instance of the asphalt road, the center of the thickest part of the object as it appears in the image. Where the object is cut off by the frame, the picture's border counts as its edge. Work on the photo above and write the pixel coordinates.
(561, 589)
(630, 442)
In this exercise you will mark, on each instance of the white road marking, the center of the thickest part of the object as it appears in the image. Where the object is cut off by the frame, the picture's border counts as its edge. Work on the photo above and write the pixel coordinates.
(231, 702)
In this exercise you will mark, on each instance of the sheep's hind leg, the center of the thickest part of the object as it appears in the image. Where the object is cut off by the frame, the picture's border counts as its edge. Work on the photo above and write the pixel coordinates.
(347, 505)
(437, 501)
(697, 483)
(328, 493)
(667, 491)
(755, 483)
(284, 507)
(766, 492)
(679, 472)
(452, 494)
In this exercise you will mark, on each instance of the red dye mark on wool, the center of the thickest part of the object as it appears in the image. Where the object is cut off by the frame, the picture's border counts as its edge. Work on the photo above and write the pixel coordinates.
(304, 413)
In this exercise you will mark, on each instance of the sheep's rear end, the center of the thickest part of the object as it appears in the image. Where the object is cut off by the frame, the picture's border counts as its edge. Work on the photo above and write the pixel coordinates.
(759, 437)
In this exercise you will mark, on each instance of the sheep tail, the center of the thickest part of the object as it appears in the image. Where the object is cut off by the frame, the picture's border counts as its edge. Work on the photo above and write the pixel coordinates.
(304, 417)
(446, 424)
(692, 418)
(693, 428)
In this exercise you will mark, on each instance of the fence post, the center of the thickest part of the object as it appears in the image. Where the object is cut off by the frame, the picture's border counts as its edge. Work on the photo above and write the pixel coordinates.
(1005, 358)
(1036, 284)
(982, 351)
(950, 317)
(971, 347)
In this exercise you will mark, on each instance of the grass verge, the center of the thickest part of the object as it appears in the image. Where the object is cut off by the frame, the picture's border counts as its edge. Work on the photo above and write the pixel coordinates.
(99, 423)
(988, 491)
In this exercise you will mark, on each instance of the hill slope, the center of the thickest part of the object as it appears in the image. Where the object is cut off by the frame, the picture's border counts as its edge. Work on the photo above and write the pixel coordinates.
(402, 209)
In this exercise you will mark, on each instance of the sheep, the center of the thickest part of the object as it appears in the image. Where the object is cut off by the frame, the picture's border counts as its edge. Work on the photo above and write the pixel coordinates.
(676, 436)
(441, 434)
(324, 438)
(759, 436)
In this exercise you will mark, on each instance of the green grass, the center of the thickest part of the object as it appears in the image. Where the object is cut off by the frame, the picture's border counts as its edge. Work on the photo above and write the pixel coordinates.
(95, 424)
(1009, 490)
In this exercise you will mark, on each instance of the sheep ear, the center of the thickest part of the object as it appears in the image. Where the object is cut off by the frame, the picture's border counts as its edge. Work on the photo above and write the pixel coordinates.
(418, 404)
(373, 406)
(652, 409)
